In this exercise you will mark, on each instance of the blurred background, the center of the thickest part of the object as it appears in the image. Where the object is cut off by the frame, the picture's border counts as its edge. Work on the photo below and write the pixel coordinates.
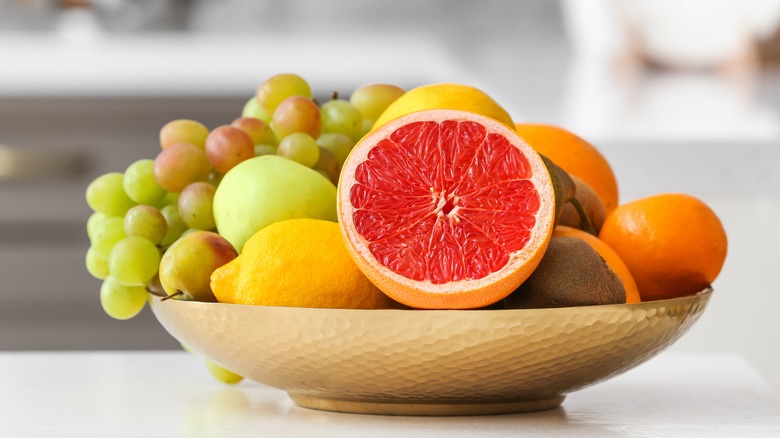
(679, 96)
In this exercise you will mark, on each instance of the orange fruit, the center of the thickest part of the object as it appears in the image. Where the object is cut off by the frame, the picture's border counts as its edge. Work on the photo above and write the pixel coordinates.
(576, 156)
(445, 209)
(609, 255)
(674, 244)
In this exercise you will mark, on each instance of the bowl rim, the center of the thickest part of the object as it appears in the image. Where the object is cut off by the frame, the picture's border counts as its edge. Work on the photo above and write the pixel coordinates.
(705, 293)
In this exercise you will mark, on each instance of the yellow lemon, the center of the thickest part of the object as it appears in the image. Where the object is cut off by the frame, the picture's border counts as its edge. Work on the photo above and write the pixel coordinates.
(297, 263)
(445, 96)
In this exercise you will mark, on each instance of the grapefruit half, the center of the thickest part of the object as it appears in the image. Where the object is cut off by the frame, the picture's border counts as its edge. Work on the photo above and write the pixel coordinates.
(445, 209)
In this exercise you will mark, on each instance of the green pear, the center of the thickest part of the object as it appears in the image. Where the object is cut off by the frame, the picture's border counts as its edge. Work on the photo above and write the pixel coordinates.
(267, 189)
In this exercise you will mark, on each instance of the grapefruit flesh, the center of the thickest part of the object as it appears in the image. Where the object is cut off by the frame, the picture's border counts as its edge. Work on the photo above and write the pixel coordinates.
(445, 209)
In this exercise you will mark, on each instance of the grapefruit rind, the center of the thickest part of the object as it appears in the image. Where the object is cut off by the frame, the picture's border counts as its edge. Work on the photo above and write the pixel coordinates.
(461, 294)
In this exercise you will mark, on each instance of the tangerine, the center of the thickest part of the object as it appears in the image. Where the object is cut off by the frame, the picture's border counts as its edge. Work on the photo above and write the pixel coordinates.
(673, 244)
(576, 156)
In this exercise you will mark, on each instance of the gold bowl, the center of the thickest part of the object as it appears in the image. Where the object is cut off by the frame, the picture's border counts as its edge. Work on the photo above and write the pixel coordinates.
(429, 362)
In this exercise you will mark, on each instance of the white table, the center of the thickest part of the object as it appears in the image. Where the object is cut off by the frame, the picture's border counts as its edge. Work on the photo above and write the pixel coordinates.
(170, 394)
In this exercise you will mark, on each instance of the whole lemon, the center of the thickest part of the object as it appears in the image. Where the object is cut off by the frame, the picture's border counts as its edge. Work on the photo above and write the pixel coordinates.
(297, 263)
(445, 96)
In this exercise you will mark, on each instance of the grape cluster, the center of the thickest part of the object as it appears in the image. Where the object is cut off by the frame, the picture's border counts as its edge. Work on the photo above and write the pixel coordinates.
(142, 212)
(317, 136)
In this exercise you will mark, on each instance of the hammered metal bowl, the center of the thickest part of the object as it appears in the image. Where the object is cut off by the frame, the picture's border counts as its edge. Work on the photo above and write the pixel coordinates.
(429, 362)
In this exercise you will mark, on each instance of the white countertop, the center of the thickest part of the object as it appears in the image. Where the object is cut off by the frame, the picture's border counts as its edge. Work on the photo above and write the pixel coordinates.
(151, 394)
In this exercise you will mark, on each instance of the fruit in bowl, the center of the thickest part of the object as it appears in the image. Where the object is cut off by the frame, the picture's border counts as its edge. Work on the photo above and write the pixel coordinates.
(359, 247)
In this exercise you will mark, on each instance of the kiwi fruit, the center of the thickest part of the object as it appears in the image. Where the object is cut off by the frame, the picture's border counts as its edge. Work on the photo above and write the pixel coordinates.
(583, 208)
(571, 273)
(498, 305)
(563, 185)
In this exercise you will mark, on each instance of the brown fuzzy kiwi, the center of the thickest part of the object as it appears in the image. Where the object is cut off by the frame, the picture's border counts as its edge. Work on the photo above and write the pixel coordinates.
(498, 305)
(591, 206)
(563, 185)
(571, 274)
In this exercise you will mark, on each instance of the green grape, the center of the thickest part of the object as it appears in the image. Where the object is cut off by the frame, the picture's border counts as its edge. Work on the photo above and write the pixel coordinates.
(147, 222)
(258, 130)
(222, 374)
(189, 231)
(183, 131)
(106, 195)
(180, 165)
(338, 144)
(373, 99)
(227, 146)
(215, 178)
(120, 301)
(140, 185)
(134, 261)
(264, 149)
(277, 88)
(92, 223)
(107, 234)
(176, 225)
(196, 206)
(368, 125)
(97, 265)
(300, 148)
(329, 165)
(170, 199)
(342, 117)
(252, 109)
(296, 114)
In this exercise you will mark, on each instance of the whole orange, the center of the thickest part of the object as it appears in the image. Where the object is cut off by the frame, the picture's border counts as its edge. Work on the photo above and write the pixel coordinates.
(609, 255)
(674, 244)
(574, 155)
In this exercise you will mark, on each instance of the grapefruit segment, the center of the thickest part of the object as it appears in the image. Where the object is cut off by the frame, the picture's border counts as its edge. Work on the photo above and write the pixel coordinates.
(445, 209)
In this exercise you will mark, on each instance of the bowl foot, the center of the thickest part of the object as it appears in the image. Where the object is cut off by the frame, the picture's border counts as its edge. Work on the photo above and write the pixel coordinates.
(426, 409)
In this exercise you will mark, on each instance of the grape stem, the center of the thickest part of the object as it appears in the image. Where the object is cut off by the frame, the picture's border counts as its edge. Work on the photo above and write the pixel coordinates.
(175, 294)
